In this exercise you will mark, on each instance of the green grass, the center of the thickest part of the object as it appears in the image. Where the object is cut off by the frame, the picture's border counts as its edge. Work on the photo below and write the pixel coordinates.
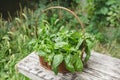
(112, 48)
(14, 38)
(111, 42)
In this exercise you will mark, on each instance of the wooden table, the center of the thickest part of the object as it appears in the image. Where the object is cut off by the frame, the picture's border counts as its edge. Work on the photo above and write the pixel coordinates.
(100, 67)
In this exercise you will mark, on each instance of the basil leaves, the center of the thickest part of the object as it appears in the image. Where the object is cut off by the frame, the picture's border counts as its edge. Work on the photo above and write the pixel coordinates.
(63, 46)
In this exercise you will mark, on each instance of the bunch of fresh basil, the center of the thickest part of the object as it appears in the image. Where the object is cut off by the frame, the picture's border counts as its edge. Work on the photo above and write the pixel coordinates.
(63, 46)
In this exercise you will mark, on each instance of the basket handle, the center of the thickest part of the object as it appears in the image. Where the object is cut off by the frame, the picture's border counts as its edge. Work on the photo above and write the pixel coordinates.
(68, 10)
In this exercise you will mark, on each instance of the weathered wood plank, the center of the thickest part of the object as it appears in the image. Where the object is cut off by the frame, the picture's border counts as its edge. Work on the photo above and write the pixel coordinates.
(100, 67)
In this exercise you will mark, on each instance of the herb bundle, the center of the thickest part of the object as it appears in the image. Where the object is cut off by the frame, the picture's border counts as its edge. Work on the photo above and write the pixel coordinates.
(63, 46)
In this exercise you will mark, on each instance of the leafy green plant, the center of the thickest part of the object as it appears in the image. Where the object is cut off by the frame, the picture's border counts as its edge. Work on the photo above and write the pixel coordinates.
(62, 45)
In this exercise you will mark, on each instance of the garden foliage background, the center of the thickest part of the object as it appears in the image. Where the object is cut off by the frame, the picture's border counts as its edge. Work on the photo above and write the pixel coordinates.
(100, 17)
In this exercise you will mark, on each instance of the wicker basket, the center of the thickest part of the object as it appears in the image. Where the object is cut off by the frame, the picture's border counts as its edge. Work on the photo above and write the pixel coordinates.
(61, 67)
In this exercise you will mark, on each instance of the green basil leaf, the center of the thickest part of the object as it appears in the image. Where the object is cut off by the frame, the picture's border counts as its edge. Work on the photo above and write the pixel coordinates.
(89, 43)
(56, 61)
(50, 58)
(60, 44)
(76, 34)
(41, 53)
(79, 43)
(70, 67)
(87, 51)
(78, 64)
(69, 64)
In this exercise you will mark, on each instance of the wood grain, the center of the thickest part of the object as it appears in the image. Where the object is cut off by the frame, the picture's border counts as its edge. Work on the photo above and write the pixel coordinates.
(99, 67)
